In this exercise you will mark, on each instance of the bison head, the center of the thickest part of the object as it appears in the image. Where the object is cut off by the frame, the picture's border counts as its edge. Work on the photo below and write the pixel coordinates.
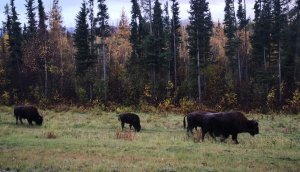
(39, 120)
(138, 128)
(253, 127)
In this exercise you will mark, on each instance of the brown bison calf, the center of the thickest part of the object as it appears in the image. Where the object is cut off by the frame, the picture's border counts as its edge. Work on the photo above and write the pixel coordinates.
(28, 112)
(131, 119)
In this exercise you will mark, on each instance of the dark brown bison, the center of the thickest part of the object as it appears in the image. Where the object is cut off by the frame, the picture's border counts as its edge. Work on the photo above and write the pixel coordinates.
(228, 123)
(28, 112)
(131, 119)
(194, 120)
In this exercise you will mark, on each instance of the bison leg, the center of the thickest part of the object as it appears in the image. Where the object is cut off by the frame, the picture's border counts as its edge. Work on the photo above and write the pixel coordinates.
(204, 131)
(234, 138)
(17, 119)
(29, 121)
(130, 126)
(20, 120)
(122, 125)
(212, 135)
(189, 130)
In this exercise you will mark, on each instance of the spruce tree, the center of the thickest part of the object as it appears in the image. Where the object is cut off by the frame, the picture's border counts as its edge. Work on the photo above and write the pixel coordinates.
(134, 69)
(279, 42)
(92, 23)
(261, 38)
(261, 53)
(153, 49)
(42, 27)
(42, 32)
(81, 35)
(32, 28)
(175, 40)
(147, 7)
(167, 38)
(230, 30)
(102, 18)
(14, 63)
(199, 30)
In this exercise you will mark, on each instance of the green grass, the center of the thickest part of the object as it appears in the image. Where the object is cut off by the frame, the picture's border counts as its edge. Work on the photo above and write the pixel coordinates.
(86, 141)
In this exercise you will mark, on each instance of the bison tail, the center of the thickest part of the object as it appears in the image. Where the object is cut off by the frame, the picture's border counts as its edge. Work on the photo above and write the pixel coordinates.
(184, 124)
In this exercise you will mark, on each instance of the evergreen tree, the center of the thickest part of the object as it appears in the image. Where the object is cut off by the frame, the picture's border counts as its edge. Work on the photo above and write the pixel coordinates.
(92, 22)
(147, 7)
(32, 28)
(153, 45)
(8, 21)
(295, 43)
(42, 32)
(200, 31)
(81, 35)
(279, 27)
(261, 53)
(167, 38)
(42, 27)
(241, 15)
(230, 30)
(175, 40)
(102, 18)
(14, 63)
(134, 69)
(261, 38)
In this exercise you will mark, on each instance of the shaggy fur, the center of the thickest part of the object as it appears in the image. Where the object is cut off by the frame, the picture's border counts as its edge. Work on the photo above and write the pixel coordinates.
(28, 112)
(131, 119)
(228, 123)
(194, 120)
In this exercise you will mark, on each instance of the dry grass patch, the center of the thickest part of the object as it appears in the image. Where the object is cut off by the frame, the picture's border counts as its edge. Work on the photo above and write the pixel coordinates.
(51, 135)
(125, 135)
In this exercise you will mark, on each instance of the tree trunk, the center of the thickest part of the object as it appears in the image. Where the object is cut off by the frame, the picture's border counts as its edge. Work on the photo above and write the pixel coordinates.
(150, 13)
(246, 46)
(61, 66)
(265, 60)
(279, 74)
(239, 68)
(198, 69)
(46, 78)
(175, 54)
(104, 66)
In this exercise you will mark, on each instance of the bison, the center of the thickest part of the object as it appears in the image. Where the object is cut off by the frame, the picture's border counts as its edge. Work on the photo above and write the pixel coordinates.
(228, 123)
(27, 112)
(194, 120)
(131, 119)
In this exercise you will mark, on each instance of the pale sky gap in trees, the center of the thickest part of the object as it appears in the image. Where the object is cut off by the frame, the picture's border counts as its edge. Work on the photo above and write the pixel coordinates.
(70, 8)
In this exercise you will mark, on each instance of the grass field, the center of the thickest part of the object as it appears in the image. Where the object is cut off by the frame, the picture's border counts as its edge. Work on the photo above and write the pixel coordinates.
(85, 140)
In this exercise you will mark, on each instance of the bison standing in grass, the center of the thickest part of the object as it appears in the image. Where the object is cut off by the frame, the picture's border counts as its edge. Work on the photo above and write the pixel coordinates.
(225, 124)
(194, 120)
(28, 112)
(131, 119)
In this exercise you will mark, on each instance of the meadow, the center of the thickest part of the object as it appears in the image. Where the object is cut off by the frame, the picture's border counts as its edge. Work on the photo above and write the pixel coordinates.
(86, 140)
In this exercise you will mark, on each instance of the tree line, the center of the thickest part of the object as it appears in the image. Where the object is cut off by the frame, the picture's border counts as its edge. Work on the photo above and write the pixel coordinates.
(154, 59)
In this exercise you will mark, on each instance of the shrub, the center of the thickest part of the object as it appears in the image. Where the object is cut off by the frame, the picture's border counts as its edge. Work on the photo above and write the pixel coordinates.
(271, 99)
(228, 101)
(166, 105)
(187, 104)
(5, 98)
(81, 93)
(294, 103)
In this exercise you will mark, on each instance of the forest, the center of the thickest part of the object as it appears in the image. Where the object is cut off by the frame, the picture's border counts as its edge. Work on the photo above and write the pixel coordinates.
(152, 59)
